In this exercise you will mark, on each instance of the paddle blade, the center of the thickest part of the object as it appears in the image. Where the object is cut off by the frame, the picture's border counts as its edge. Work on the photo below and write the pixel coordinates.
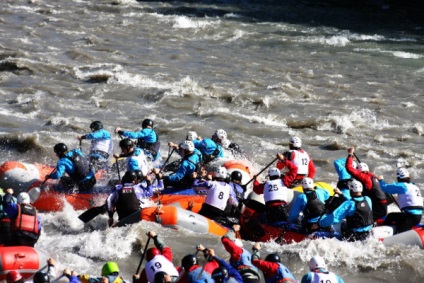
(34, 194)
(91, 213)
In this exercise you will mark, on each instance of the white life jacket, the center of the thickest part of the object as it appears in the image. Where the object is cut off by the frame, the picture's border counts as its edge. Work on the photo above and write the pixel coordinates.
(218, 195)
(319, 277)
(142, 162)
(412, 197)
(275, 190)
(105, 145)
(159, 263)
(301, 160)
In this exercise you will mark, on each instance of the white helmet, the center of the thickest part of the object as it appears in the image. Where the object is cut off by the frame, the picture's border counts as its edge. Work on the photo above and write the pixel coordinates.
(295, 141)
(24, 198)
(363, 167)
(316, 262)
(238, 243)
(189, 145)
(307, 183)
(191, 136)
(402, 173)
(355, 186)
(274, 172)
(221, 172)
(221, 134)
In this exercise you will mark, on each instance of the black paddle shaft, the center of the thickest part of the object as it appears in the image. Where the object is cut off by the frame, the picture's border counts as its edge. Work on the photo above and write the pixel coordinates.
(275, 159)
(143, 255)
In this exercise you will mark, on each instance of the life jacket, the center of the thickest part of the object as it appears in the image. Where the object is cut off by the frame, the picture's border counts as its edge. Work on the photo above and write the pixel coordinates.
(26, 219)
(150, 147)
(193, 275)
(282, 275)
(81, 166)
(320, 276)
(301, 160)
(275, 190)
(245, 262)
(209, 157)
(362, 217)
(187, 180)
(115, 279)
(157, 264)
(411, 199)
(376, 194)
(315, 207)
(127, 201)
(218, 195)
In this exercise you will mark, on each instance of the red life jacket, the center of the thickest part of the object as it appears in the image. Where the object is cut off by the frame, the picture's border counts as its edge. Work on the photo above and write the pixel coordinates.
(26, 219)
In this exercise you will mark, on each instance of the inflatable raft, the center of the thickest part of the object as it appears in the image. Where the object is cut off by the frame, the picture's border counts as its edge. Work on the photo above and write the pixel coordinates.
(175, 217)
(26, 260)
(26, 177)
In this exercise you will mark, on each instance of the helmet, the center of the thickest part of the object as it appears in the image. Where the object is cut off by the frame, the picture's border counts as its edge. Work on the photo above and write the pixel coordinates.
(402, 173)
(13, 276)
(273, 258)
(238, 243)
(125, 143)
(295, 141)
(274, 172)
(307, 183)
(109, 268)
(129, 177)
(355, 186)
(159, 277)
(363, 167)
(219, 274)
(221, 172)
(354, 164)
(147, 123)
(139, 174)
(96, 125)
(151, 253)
(316, 262)
(191, 135)
(188, 145)
(24, 198)
(221, 134)
(41, 277)
(236, 176)
(60, 148)
(188, 261)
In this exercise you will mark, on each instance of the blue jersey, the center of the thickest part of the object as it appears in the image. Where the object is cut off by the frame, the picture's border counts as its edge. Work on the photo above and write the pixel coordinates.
(209, 149)
(346, 209)
(65, 164)
(301, 202)
(187, 167)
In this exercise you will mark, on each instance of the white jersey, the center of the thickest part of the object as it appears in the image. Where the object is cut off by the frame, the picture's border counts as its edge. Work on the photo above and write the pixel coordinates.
(412, 197)
(328, 277)
(105, 145)
(159, 263)
(275, 190)
(218, 195)
(301, 160)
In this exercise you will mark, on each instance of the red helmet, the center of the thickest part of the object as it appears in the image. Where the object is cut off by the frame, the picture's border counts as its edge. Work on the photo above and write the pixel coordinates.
(151, 253)
(13, 276)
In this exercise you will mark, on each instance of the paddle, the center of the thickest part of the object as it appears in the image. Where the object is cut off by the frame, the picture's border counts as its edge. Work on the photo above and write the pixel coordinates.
(208, 258)
(166, 161)
(34, 193)
(389, 195)
(91, 213)
(58, 278)
(117, 168)
(144, 253)
(275, 159)
(32, 275)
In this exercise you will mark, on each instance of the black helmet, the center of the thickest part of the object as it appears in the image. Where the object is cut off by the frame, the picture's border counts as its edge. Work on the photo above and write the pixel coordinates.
(188, 261)
(273, 258)
(146, 123)
(96, 125)
(236, 176)
(125, 143)
(41, 277)
(129, 177)
(60, 148)
(160, 277)
(220, 274)
(139, 174)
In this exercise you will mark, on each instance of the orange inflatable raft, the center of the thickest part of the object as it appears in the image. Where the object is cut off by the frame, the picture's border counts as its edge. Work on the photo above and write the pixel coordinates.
(26, 260)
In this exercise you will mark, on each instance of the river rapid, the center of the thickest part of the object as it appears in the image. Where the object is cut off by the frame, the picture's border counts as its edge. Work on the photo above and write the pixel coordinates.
(336, 75)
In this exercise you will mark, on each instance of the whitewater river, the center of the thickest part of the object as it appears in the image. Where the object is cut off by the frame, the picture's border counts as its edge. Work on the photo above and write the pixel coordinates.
(262, 70)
